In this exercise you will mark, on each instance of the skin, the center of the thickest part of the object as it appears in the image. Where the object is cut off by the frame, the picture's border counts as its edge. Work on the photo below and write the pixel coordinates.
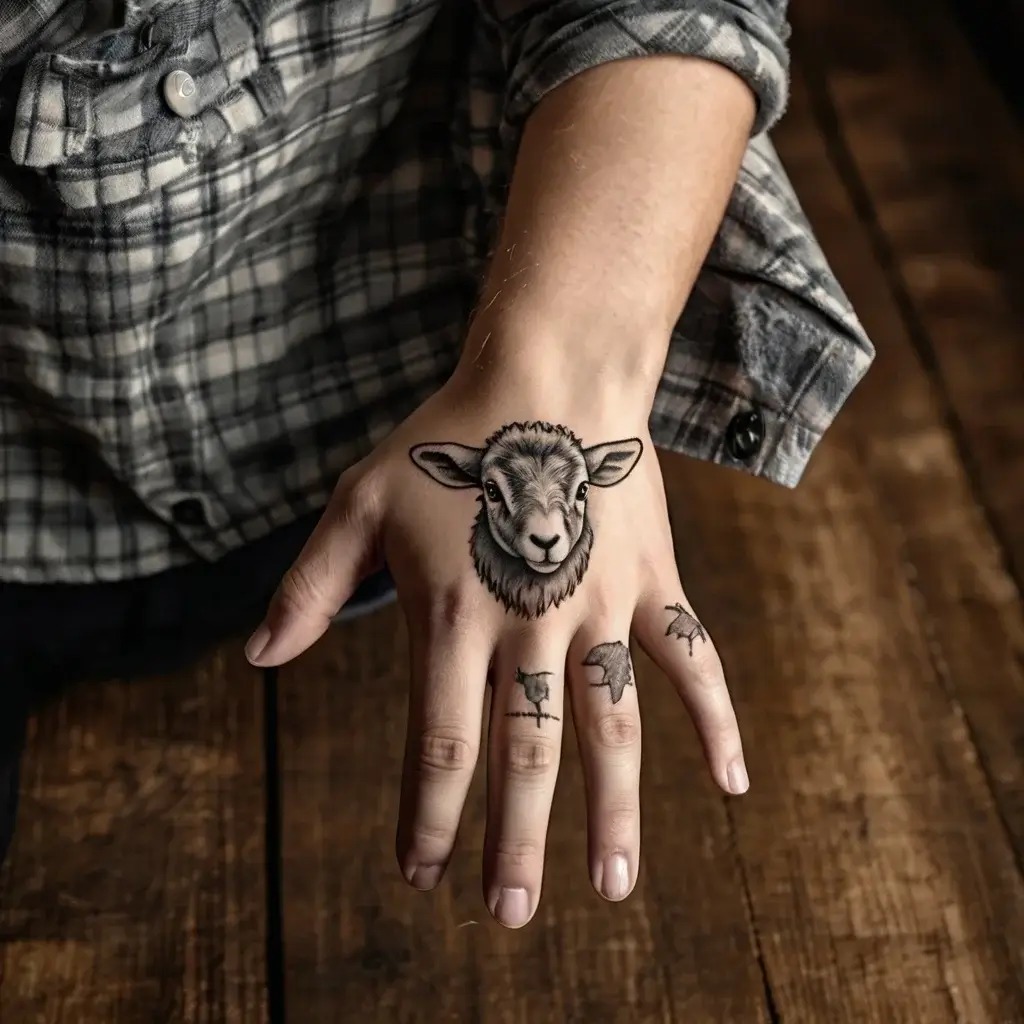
(621, 181)
(531, 541)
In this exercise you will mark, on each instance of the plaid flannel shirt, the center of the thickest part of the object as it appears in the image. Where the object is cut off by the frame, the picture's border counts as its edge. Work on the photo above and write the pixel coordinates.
(212, 304)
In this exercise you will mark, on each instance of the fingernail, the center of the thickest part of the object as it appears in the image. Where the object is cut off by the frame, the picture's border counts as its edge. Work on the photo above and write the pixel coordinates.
(615, 878)
(425, 876)
(512, 908)
(738, 781)
(257, 643)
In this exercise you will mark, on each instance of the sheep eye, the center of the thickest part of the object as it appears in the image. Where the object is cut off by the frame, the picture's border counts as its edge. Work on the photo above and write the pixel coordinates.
(492, 492)
(582, 491)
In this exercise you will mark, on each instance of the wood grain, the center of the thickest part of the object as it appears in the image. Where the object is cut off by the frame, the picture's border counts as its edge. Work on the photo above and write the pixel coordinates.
(357, 937)
(134, 891)
(882, 885)
(908, 899)
(949, 378)
(941, 161)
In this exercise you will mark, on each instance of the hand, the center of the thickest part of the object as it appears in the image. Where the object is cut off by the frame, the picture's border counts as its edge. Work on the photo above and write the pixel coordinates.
(525, 554)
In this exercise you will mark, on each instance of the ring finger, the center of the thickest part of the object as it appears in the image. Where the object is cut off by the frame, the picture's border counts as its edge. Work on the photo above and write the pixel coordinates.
(607, 718)
(522, 764)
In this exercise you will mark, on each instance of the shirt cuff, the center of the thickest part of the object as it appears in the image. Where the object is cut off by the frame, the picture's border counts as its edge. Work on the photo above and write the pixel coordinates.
(563, 39)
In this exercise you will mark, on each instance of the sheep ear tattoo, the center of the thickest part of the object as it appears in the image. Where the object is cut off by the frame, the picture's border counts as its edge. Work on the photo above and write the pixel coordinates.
(454, 465)
(532, 538)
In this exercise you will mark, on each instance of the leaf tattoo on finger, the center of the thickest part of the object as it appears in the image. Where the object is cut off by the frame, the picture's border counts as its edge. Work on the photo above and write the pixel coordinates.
(685, 626)
(616, 672)
(537, 690)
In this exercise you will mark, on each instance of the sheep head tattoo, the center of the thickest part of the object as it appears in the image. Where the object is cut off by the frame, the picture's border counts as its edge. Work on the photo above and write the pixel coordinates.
(532, 538)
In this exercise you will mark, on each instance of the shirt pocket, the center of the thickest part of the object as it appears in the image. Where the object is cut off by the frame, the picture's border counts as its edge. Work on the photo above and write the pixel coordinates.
(116, 118)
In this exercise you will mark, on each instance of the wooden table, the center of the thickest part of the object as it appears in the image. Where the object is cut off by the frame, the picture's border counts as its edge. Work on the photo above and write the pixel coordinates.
(217, 846)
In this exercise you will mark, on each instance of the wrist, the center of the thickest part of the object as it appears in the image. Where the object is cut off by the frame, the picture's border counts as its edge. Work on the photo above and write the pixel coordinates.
(597, 368)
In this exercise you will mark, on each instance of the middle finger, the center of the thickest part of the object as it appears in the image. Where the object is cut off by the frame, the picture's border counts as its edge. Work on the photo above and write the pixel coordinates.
(522, 764)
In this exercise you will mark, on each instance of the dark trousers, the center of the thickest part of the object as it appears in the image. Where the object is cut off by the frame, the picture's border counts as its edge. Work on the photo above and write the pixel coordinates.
(55, 634)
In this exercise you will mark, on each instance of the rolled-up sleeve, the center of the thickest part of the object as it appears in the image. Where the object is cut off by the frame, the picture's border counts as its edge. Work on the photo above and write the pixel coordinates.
(546, 42)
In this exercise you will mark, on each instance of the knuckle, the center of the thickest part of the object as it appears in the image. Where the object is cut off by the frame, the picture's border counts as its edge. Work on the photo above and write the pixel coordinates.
(302, 585)
(722, 736)
(703, 680)
(454, 609)
(357, 494)
(445, 752)
(620, 825)
(604, 602)
(433, 838)
(517, 853)
(617, 730)
(530, 759)
(708, 672)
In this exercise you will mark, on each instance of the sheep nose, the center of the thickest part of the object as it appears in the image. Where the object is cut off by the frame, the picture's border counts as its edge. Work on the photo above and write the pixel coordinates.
(544, 543)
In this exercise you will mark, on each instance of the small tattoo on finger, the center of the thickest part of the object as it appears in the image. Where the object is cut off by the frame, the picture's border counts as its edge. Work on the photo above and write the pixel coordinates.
(684, 626)
(537, 690)
(613, 660)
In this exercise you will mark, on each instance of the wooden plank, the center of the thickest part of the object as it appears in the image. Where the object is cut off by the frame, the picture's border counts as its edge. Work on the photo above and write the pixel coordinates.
(942, 160)
(883, 888)
(970, 596)
(356, 937)
(882, 883)
(134, 890)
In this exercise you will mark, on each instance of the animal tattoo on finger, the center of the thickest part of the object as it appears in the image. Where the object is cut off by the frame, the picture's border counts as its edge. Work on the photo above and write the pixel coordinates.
(532, 538)
(616, 672)
(537, 690)
(684, 626)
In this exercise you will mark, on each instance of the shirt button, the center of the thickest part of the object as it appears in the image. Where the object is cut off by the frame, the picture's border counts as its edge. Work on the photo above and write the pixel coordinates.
(181, 93)
(189, 512)
(745, 435)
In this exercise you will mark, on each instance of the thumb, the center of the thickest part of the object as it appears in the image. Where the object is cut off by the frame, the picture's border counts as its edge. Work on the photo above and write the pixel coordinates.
(341, 551)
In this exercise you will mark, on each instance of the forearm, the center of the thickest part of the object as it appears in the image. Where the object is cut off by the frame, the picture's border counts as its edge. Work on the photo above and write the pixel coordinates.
(621, 181)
